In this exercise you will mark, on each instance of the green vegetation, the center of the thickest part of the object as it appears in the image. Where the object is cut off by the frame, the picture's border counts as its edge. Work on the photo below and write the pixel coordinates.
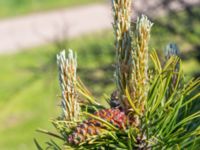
(20, 7)
(29, 85)
(182, 29)
(150, 108)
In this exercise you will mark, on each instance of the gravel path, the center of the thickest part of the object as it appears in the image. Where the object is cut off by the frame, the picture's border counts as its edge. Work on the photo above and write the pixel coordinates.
(37, 29)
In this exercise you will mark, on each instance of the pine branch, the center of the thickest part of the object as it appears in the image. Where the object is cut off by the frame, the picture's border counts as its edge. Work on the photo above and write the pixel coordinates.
(131, 55)
(67, 77)
(121, 26)
(139, 82)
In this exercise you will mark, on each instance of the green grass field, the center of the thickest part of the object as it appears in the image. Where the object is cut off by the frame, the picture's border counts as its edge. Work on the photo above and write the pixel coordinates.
(29, 87)
(10, 8)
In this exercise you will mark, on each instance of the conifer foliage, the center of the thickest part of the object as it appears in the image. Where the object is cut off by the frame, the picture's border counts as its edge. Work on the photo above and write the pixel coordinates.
(150, 108)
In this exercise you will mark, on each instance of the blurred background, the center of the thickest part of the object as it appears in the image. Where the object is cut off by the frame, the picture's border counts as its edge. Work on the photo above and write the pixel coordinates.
(32, 32)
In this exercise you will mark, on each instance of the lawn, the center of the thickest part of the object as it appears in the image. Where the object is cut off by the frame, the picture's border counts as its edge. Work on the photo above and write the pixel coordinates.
(20, 7)
(29, 87)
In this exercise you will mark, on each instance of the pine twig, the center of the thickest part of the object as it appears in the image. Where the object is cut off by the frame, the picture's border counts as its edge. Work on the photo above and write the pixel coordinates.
(140, 56)
(68, 83)
(121, 26)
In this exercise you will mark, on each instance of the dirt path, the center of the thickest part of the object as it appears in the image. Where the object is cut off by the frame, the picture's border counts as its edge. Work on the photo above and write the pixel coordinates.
(37, 29)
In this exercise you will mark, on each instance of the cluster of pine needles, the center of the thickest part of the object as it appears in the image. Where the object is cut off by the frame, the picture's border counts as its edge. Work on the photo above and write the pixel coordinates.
(151, 107)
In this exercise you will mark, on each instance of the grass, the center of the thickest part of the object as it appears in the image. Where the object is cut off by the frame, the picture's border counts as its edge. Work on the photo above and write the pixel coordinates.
(20, 7)
(29, 86)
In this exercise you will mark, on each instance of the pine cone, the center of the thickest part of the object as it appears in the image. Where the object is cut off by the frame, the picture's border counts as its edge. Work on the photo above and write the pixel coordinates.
(114, 99)
(92, 126)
